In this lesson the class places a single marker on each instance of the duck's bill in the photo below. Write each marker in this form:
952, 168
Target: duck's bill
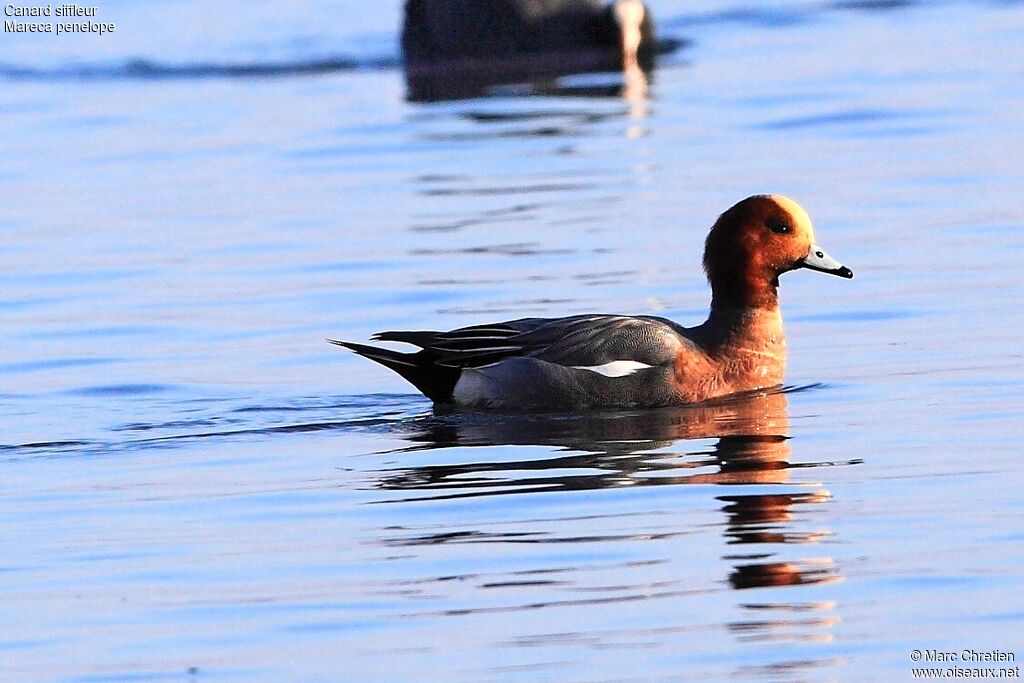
817, 259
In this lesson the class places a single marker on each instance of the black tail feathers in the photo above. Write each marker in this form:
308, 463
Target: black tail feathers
436, 382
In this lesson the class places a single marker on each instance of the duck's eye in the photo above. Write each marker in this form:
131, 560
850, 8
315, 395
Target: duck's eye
778, 225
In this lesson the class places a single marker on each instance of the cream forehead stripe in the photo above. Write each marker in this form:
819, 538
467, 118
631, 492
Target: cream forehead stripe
796, 211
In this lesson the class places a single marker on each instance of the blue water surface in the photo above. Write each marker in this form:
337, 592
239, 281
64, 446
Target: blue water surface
194, 485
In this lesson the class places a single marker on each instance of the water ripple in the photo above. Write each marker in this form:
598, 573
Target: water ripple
146, 69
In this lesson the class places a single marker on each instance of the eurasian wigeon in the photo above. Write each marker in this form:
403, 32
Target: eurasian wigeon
450, 46
617, 361
450, 29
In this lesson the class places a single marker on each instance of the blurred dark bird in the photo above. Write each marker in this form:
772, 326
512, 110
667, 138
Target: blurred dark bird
437, 30
501, 40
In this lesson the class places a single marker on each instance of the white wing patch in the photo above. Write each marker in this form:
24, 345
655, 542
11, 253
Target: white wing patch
616, 368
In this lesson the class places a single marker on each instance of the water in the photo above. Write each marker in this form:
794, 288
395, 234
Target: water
197, 487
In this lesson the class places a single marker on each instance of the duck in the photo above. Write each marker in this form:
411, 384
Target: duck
452, 31
610, 361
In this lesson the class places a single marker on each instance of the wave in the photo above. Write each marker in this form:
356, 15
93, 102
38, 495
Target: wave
146, 69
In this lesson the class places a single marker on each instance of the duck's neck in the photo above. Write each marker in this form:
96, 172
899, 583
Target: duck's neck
744, 291
735, 323
744, 308
732, 321
746, 345
741, 294
735, 331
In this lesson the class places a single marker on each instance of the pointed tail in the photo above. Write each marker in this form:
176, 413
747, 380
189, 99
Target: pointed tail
436, 382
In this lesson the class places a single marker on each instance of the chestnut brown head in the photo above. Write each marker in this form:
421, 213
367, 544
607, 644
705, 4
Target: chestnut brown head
754, 242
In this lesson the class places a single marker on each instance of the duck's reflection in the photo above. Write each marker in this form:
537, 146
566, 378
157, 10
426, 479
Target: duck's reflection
545, 73
525, 78
739, 442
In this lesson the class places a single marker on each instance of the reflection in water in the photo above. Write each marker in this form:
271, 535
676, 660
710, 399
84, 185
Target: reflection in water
634, 90
782, 574
532, 194
624, 447
533, 74
549, 79
742, 441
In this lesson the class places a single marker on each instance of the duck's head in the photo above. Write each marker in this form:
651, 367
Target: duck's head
754, 242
